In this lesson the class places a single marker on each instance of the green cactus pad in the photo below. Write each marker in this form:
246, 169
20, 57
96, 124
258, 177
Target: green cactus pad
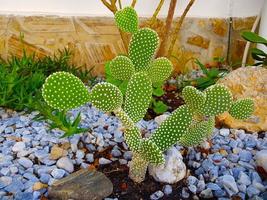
160, 69
242, 109
121, 68
133, 138
218, 100
197, 132
127, 20
106, 97
142, 48
64, 91
173, 128
138, 96
151, 152
194, 98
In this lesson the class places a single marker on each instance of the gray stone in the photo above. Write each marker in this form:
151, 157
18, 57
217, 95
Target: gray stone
104, 161
252, 191
156, 195
229, 184
58, 173
66, 164
185, 193
23, 196
116, 152
191, 180
44, 178
25, 162
127, 155
201, 185
243, 178
245, 155
15, 186
30, 176
81, 185
18, 146
224, 132
192, 188
5, 171
5, 181
167, 189
206, 194
80, 154
90, 157
213, 186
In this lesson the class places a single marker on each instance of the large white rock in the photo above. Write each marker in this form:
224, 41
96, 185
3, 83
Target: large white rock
172, 171
261, 159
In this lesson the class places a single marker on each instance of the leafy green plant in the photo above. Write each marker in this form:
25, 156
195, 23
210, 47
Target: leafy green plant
209, 77
188, 125
59, 119
257, 54
21, 80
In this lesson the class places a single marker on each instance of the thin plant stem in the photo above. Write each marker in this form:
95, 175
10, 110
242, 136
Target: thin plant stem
155, 14
178, 27
133, 3
167, 29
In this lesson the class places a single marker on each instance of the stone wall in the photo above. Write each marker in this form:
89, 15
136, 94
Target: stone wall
94, 40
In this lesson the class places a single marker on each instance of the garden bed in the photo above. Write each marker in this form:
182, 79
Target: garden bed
28, 169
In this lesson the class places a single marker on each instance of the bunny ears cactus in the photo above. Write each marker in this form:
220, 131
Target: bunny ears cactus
188, 124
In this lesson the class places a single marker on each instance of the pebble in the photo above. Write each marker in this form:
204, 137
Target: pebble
90, 157
224, 132
18, 146
23, 196
157, 195
104, 161
25, 162
66, 164
229, 184
5, 181
206, 194
243, 178
58, 173
185, 193
167, 189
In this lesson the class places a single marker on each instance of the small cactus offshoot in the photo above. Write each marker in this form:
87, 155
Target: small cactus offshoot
187, 125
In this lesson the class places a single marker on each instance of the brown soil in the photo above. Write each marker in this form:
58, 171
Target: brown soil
125, 189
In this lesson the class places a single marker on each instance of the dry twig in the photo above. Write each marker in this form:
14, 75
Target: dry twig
178, 27
167, 29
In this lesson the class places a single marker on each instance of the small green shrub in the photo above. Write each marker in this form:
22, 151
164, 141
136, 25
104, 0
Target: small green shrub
188, 125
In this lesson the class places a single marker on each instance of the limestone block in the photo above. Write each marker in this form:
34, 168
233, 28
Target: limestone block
248, 82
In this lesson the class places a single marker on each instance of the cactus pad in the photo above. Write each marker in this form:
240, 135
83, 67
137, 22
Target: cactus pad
106, 97
193, 98
121, 68
151, 152
197, 132
218, 100
160, 69
173, 128
138, 96
242, 109
127, 20
64, 91
133, 138
142, 48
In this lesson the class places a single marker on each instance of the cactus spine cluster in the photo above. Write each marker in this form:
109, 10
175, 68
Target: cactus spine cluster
188, 125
